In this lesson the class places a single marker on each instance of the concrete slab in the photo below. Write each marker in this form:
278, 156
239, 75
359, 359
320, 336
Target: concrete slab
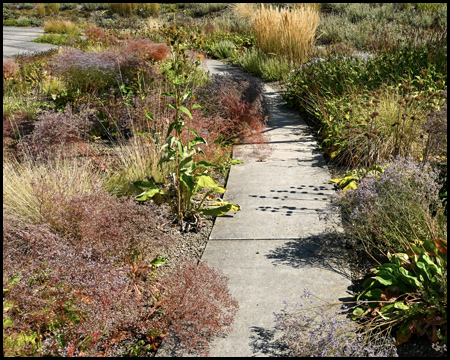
275, 247
16, 41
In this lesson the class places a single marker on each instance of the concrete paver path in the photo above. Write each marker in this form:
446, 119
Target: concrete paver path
270, 249
16, 41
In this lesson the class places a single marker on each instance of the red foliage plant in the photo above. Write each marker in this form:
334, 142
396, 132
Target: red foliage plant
146, 49
99, 35
53, 129
10, 68
197, 306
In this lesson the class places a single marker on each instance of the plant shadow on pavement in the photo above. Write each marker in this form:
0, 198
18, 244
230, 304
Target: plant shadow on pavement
324, 251
263, 342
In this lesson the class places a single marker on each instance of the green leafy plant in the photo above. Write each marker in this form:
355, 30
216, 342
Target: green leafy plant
351, 177
409, 293
187, 176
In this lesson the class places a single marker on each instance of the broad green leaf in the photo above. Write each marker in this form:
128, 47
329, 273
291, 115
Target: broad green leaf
220, 189
196, 141
158, 261
149, 116
188, 180
185, 110
385, 278
409, 279
204, 164
358, 312
351, 185
168, 94
219, 209
401, 305
206, 181
149, 194
186, 163
134, 188
171, 106
197, 106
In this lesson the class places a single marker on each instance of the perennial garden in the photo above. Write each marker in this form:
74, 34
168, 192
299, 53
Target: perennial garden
117, 145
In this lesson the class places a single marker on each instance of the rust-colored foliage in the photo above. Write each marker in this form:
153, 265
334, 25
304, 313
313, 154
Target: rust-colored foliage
197, 306
147, 49
10, 68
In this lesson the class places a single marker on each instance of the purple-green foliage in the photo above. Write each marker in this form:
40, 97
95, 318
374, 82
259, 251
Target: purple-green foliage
101, 225
395, 209
310, 329
86, 71
436, 127
54, 130
55, 286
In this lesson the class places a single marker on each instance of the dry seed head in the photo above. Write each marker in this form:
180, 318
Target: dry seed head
356, 131
349, 126
402, 135
376, 132
401, 101
376, 101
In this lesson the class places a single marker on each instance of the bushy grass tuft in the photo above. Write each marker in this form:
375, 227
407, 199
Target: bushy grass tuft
61, 27
287, 33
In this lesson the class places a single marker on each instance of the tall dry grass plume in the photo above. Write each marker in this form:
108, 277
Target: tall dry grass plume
286, 32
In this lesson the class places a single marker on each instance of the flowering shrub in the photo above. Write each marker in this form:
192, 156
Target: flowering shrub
55, 130
98, 35
310, 329
392, 210
86, 71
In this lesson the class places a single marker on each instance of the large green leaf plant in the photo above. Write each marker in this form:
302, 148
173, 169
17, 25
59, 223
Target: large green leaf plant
408, 294
189, 188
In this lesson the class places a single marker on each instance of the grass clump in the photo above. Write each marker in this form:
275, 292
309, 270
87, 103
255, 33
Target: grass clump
287, 33
61, 27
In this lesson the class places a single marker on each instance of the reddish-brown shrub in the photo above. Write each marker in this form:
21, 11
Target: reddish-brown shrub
99, 35
235, 109
196, 305
10, 68
60, 293
102, 225
146, 49
54, 130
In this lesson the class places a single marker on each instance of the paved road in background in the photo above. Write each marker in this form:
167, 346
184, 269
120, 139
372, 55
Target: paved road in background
17, 41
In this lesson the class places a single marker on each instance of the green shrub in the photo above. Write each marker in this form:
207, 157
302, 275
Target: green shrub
26, 6
409, 293
429, 7
57, 39
124, 9
52, 8
23, 21
269, 67
10, 22
90, 6
67, 6
223, 49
